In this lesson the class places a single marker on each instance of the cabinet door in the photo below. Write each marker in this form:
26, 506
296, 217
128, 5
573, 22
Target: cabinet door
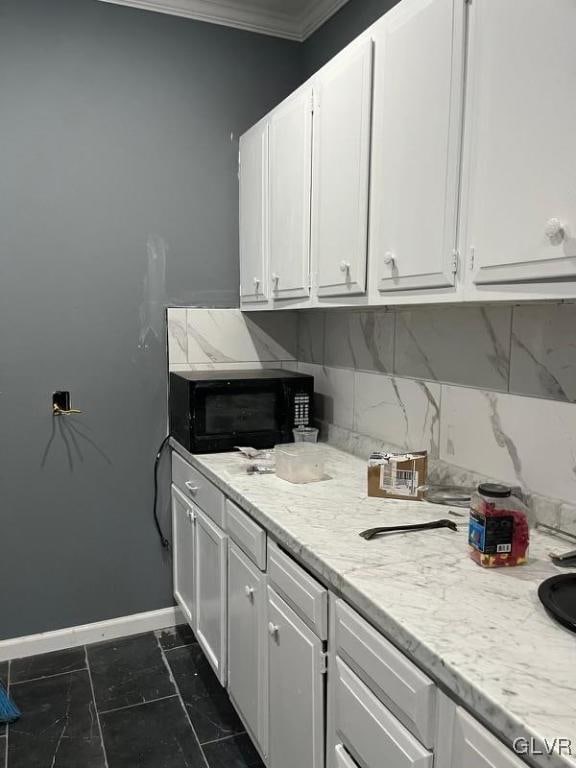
290, 189
522, 196
363, 727
463, 742
183, 535
253, 173
247, 643
295, 689
418, 101
342, 110
211, 567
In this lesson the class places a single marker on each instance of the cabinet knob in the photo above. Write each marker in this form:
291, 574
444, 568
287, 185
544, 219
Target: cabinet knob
389, 258
344, 266
275, 277
256, 281
249, 592
554, 231
191, 487
273, 629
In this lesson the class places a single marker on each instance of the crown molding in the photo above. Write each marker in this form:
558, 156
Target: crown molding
318, 12
247, 16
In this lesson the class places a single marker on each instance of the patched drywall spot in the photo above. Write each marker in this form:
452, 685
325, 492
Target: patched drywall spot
153, 293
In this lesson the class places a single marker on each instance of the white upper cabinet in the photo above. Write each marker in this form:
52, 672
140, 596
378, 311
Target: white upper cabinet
521, 212
416, 143
341, 155
253, 175
290, 188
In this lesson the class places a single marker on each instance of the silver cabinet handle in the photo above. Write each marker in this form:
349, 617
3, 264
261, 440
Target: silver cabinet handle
275, 278
191, 487
249, 592
273, 629
344, 266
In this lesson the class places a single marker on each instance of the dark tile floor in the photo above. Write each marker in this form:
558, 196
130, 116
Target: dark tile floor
147, 701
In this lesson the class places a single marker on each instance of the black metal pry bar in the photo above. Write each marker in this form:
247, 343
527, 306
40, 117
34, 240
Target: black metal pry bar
372, 532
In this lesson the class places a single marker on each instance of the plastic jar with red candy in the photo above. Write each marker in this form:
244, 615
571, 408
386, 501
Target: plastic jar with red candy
498, 533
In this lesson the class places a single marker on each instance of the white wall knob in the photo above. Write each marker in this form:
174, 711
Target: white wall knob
389, 258
273, 629
554, 231
249, 592
344, 266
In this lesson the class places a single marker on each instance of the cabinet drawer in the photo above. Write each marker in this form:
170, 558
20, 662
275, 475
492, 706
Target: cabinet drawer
302, 592
464, 743
403, 688
198, 488
368, 730
247, 534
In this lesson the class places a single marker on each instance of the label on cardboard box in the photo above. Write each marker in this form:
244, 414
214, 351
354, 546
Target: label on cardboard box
397, 475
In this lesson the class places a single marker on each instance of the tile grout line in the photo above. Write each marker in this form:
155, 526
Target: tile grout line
95, 707
48, 677
137, 704
177, 688
227, 738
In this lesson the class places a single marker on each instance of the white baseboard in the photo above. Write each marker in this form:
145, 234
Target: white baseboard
71, 637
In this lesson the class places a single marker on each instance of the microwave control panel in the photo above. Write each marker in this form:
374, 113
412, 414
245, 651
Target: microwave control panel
301, 409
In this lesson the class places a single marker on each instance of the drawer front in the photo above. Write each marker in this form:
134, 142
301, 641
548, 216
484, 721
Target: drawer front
403, 688
307, 597
198, 489
473, 745
368, 731
247, 534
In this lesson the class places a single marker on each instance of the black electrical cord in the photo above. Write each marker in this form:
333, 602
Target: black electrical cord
163, 539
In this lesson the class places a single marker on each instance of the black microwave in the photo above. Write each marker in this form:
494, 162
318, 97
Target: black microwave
213, 411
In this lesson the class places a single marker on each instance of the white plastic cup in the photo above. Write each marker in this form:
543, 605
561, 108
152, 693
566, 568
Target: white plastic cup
305, 435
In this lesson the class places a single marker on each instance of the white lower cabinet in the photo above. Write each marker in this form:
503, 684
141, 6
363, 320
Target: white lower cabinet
183, 541
211, 592
364, 728
296, 664
464, 743
247, 644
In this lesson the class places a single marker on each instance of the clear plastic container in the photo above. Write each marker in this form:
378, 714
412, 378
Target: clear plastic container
299, 462
305, 435
498, 533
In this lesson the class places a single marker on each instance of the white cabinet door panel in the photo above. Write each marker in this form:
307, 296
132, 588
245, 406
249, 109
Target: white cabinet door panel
367, 729
247, 643
522, 159
211, 592
295, 689
416, 146
464, 743
290, 189
183, 555
342, 112
253, 172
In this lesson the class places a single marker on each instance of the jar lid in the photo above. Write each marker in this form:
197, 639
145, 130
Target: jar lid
493, 489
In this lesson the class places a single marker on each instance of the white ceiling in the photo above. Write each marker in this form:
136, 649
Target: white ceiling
293, 19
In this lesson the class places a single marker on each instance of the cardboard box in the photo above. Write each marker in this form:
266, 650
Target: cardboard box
398, 475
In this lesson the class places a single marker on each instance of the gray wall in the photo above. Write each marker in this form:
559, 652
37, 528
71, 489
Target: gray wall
118, 147
339, 30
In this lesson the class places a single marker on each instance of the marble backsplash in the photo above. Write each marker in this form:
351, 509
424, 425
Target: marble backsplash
487, 390
524, 350
201, 339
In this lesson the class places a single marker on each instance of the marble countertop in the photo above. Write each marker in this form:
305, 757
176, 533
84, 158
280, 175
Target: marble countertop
481, 633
